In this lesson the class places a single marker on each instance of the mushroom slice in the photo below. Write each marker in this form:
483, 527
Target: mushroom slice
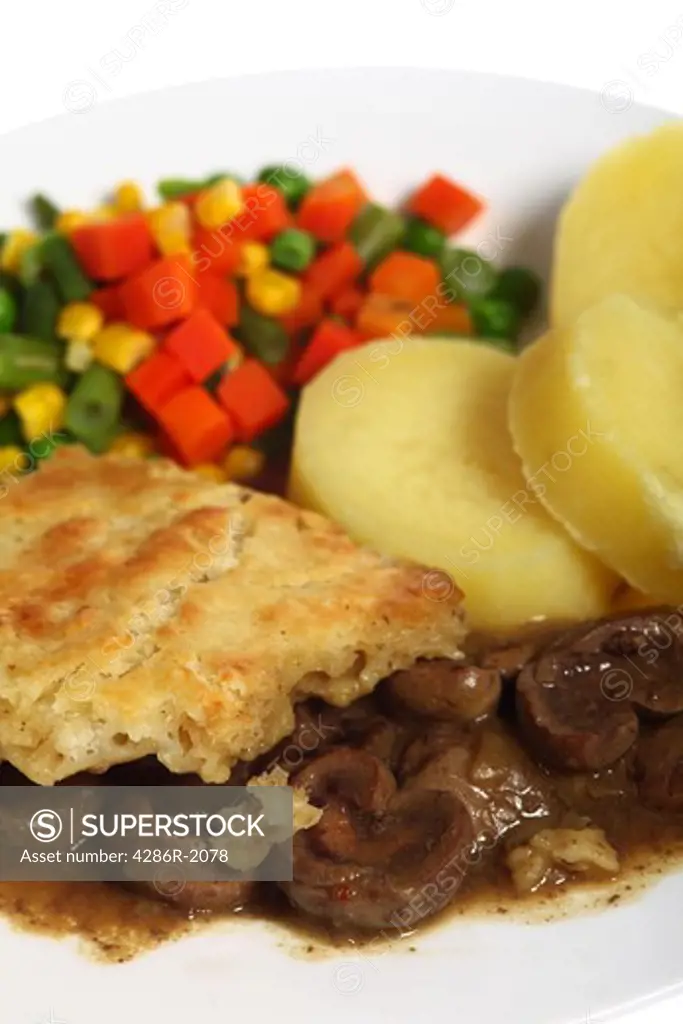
375, 853
566, 716
446, 689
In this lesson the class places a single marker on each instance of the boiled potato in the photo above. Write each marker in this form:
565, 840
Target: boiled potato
597, 419
406, 445
621, 230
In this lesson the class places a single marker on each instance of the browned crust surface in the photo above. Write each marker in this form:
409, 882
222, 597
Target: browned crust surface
144, 610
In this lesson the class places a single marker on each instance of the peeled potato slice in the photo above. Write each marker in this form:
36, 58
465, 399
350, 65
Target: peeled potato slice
606, 393
621, 229
406, 445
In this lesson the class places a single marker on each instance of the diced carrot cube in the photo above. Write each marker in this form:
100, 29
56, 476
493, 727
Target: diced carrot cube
161, 294
328, 209
265, 214
201, 345
445, 205
220, 296
114, 249
334, 269
253, 399
157, 380
329, 339
404, 275
381, 316
198, 428
216, 251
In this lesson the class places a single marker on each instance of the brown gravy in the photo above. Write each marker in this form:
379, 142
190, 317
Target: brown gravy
115, 924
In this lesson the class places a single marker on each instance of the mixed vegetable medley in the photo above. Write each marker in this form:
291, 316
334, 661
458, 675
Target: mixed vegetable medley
188, 327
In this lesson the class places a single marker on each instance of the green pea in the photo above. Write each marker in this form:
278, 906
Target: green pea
292, 183
520, 286
495, 318
467, 275
292, 250
423, 239
8, 310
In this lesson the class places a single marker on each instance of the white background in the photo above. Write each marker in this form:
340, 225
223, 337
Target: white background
66, 55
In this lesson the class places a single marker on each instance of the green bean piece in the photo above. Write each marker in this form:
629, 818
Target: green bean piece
292, 250
375, 232
423, 238
263, 337
10, 430
292, 183
30, 264
495, 318
8, 310
39, 310
93, 410
520, 286
45, 213
60, 260
175, 188
25, 361
466, 274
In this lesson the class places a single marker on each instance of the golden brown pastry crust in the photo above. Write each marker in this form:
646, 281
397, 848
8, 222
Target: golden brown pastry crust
145, 610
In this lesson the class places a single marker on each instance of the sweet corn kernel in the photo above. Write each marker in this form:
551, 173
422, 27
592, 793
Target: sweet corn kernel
79, 321
128, 197
16, 244
79, 355
253, 257
122, 347
171, 227
272, 293
243, 463
40, 409
69, 220
13, 458
133, 446
211, 472
219, 203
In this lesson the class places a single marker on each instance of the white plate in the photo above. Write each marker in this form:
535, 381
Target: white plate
521, 144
